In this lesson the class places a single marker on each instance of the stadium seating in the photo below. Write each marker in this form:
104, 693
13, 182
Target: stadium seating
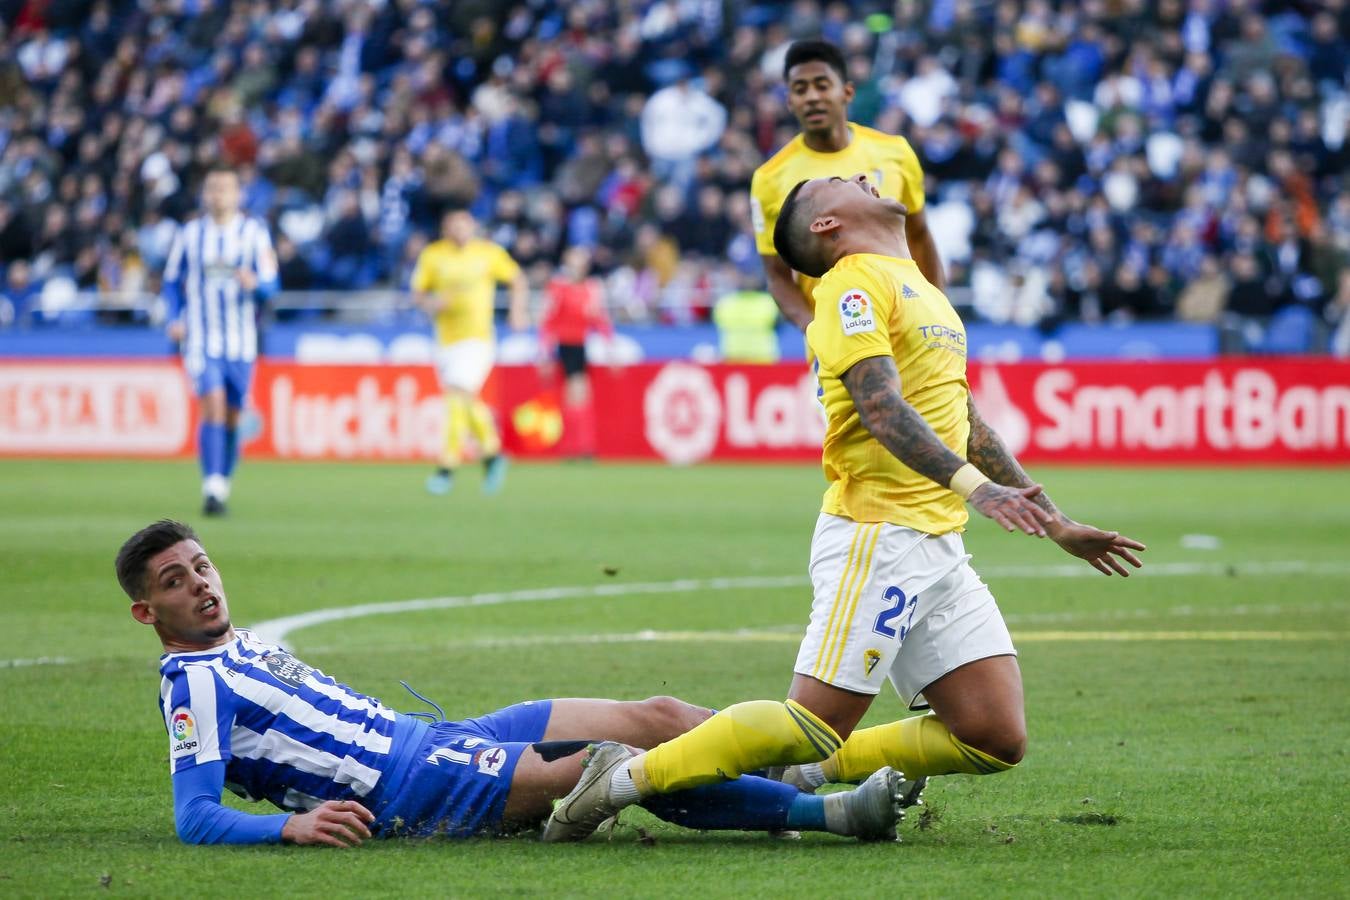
1125, 151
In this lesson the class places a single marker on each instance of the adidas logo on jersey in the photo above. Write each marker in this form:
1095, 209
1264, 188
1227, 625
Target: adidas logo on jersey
908, 292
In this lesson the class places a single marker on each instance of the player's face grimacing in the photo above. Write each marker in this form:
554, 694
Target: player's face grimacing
184, 598
852, 199
817, 96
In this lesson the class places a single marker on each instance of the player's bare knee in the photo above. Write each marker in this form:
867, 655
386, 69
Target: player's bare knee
1006, 742
1009, 748
670, 716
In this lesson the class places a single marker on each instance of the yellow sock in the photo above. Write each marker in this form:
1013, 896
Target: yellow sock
739, 739
920, 745
484, 428
456, 427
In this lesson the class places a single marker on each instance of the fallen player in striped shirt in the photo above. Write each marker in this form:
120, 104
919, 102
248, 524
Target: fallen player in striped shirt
244, 713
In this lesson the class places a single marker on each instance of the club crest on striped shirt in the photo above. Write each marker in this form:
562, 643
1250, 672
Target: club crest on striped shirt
870, 660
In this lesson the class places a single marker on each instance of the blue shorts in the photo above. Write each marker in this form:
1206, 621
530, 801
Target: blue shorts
458, 779
233, 375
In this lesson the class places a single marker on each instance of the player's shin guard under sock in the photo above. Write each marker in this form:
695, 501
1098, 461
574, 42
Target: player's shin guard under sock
211, 448
752, 804
917, 746
739, 739
456, 429
748, 804
484, 428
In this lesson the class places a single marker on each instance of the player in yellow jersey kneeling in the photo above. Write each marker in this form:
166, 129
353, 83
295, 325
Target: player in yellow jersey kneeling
895, 597
454, 283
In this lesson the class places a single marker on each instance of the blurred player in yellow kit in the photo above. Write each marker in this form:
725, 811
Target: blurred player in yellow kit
894, 596
454, 283
819, 93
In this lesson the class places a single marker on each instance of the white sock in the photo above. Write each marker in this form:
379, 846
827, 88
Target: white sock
217, 486
622, 790
836, 813
812, 774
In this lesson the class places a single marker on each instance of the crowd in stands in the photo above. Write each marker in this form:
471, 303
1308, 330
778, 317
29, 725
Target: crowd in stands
1102, 159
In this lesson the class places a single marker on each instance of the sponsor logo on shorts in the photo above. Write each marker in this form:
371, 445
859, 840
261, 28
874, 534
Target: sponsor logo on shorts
870, 660
183, 733
490, 761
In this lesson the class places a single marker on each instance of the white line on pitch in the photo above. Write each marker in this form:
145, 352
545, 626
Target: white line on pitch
278, 630
780, 635
36, 661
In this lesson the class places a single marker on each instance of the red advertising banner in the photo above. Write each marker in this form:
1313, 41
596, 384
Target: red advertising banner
1287, 410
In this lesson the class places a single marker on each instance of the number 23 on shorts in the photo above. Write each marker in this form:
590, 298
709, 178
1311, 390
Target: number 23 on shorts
898, 606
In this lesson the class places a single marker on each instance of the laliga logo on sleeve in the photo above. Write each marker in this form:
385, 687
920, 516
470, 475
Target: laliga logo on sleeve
183, 731
855, 313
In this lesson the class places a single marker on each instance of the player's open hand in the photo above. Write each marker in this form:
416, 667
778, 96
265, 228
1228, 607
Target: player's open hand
1105, 550
176, 331
337, 823
1013, 508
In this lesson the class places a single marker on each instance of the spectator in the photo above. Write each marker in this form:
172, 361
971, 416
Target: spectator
678, 123
1048, 128
1205, 296
349, 244
293, 270
20, 294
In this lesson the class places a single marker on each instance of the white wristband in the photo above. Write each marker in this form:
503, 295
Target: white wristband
967, 479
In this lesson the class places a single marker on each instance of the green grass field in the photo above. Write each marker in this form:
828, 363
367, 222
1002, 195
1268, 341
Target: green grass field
1189, 727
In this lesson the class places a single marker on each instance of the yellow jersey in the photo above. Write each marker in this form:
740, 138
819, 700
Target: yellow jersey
887, 160
870, 305
466, 278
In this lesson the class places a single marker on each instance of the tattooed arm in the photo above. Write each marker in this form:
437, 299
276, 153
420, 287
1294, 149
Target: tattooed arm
874, 385
985, 449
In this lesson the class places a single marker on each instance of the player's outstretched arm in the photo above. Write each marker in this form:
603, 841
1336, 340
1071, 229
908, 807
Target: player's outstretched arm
1104, 550
874, 385
336, 823
785, 291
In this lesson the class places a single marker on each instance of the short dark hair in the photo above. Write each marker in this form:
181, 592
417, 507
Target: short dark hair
136, 552
815, 51
792, 237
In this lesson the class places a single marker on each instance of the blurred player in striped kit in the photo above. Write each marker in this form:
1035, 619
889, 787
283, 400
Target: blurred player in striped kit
220, 267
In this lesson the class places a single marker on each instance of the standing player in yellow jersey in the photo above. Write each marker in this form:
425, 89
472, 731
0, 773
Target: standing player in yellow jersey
819, 93
454, 283
895, 597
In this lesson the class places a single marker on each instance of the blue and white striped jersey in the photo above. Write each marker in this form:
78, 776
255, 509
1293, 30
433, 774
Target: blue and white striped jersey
201, 283
286, 732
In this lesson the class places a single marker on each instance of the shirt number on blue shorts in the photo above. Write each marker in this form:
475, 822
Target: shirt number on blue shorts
899, 606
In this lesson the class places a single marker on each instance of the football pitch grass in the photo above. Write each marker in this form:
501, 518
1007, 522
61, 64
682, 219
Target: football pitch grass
1189, 727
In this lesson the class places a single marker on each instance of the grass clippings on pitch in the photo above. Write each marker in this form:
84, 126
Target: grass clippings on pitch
1189, 730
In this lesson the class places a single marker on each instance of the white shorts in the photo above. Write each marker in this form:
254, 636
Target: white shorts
466, 364
895, 603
